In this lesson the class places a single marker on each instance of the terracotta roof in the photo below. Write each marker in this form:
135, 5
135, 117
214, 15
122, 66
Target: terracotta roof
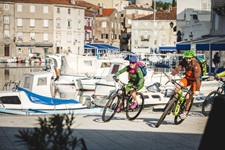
86, 4
106, 12
160, 16
45, 1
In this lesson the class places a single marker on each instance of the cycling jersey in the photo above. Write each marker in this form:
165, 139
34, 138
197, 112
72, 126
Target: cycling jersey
192, 71
136, 79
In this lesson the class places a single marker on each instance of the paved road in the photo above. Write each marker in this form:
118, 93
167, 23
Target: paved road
119, 133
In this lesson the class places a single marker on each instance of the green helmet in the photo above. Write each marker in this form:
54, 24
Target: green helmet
189, 54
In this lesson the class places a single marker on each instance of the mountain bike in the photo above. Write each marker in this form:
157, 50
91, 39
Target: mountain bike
208, 102
176, 104
127, 100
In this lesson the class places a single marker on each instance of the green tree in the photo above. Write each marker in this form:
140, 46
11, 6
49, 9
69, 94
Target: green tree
55, 133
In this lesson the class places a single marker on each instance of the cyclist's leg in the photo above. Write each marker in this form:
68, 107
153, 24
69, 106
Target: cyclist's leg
121, 102
134, 95
183, 82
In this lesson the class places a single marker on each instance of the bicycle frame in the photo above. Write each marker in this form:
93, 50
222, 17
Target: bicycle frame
221, 89
181, 99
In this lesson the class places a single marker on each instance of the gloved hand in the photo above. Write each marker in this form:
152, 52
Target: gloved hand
196, 93
135, 87
115, 78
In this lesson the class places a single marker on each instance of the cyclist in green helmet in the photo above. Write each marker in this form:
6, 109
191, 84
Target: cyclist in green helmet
192, 77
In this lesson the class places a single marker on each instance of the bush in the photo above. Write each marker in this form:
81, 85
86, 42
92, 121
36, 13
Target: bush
54, 134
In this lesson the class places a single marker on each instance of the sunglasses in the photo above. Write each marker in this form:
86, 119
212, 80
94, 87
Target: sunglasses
132, 62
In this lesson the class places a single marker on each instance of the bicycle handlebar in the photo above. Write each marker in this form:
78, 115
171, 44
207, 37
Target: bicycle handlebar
176, 83
123, 84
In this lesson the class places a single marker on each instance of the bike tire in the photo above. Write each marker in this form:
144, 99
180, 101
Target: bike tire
110, 108
177, 119
132, 114
169, 106
208, 102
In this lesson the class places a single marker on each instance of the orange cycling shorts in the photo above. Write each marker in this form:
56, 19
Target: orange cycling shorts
187, 82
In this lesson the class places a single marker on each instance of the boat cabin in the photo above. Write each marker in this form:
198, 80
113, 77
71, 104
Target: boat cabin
37, 82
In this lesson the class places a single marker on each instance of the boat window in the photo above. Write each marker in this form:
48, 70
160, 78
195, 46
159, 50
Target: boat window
88, 63
115, 69
42, 81
10, 100
105, 64
27, 83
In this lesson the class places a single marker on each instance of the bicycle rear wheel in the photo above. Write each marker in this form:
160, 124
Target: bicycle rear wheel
208, 102
169, 106
177, 119
110, 107
132, 114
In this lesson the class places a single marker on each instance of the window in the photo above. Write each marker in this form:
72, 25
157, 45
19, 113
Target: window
19, 8
69, 37
45, 23
115, 69
6, 34
19, 22
30, 51
20, 50
58, 22
58, 10
104, 36
129, 21
104, 24
32, 22
6, 6
58, 36
32, 8
69, 23
79, 25
68, 11
19, 36
10, 100
42, 81
45, 9
6, 19
32, 36
45, 36
27, 83
86, 22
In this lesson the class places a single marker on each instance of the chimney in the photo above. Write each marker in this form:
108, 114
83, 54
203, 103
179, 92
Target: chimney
72, 2
100, 11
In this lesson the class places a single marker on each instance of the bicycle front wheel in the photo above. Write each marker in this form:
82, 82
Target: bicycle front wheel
208, 102
110, 107
177, 118
132, 114
169, 106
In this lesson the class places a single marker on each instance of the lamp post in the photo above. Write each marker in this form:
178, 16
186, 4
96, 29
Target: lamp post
171, 28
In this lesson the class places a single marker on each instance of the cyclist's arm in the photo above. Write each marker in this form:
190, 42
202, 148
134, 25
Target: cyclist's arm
197, 74
221, 74
121, 71
179, 67
141, 77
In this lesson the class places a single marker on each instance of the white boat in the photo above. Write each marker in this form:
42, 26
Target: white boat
103, 70
75, 67
35, 95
